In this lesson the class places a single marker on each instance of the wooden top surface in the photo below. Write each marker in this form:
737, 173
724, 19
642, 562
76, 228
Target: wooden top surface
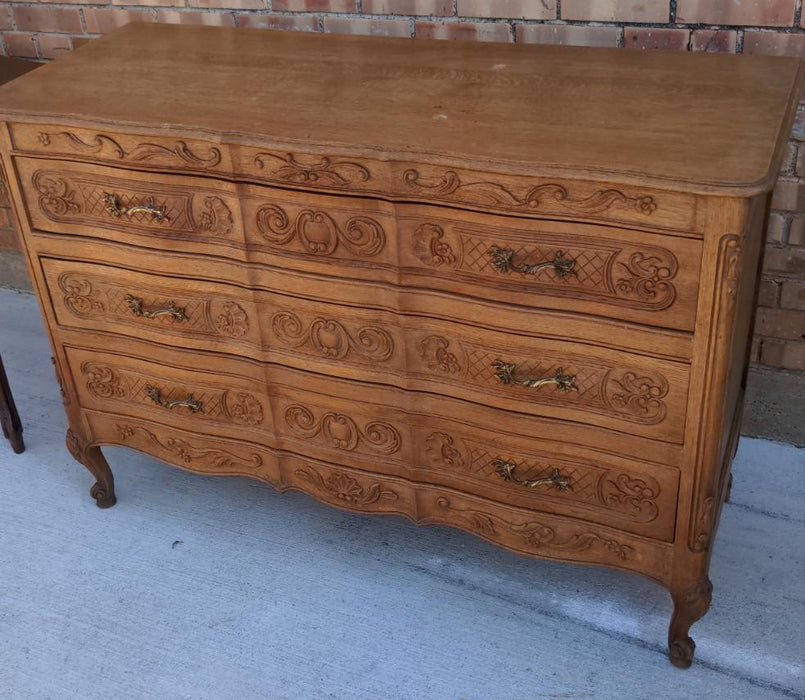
11, 68
701, 122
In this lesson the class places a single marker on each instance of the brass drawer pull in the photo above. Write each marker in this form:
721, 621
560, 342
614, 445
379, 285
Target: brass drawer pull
504, 372
155, 395
175, 312
503, 261
158, 213
506, 470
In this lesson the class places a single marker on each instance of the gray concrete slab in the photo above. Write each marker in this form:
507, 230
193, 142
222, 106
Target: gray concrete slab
203, 587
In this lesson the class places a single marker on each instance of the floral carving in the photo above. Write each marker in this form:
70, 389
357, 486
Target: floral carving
431, 248
245, 409
331, 339
433, 349
232, 320
318, 233
647, 278
216, 217
103, 381
550, 197
325, 171
639, 396
55, 196
347, 489
193, 457
439, 447
342, 432
143, 151
79, 296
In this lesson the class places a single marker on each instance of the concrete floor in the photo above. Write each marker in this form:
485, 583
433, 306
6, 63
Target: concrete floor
200, 587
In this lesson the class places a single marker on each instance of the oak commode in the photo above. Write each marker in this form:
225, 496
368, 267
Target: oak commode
504, 288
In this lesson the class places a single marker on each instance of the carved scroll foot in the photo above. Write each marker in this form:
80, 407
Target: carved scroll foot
690, 604
103, 491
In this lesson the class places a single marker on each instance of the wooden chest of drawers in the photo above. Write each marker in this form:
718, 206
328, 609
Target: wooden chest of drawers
508, 289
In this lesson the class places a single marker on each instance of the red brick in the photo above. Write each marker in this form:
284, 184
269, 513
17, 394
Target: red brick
508, 9
51, 46
774, 44
714, 40
789, 161
467, 31
651, 38
566, 34
315, 6
781, 353
776, 229
616, 10
768, 293
9, 239
793, 296
789, 195
796, 235
20, 45
228, 4
790, 261
153, 3
754, 352
407, 7
301, 23
373, 27
784, 324
800, 162
5, 18
216, 19
5, 218
47, 19
756, 13
103, 21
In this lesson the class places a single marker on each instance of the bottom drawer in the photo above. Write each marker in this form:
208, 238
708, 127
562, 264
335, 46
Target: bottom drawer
516, 529
422, 438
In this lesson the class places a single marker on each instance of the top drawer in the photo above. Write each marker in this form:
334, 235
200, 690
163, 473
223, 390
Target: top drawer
617, 273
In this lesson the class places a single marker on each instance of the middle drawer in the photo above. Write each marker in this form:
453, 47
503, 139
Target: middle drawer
575, 381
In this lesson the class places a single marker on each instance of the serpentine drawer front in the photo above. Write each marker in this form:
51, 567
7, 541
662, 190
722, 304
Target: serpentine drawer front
526, 316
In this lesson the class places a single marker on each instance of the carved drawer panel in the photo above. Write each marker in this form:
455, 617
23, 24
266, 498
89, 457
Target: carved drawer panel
199, 399
165, 210
616, 273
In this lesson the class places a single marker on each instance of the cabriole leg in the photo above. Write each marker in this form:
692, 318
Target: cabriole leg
690, 604
103, 491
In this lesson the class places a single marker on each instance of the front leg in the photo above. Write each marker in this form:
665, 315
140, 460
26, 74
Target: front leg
690, 604
103, 491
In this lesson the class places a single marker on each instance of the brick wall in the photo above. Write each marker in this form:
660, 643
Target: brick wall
43, 30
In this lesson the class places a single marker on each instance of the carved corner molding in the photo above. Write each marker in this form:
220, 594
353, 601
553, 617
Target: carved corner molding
727, 283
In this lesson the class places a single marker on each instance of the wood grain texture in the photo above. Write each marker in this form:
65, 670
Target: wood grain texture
528, 320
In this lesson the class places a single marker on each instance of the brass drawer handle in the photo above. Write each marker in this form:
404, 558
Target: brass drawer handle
155, 395
158, 213
504, 372
503, 261
506, 470
175, 312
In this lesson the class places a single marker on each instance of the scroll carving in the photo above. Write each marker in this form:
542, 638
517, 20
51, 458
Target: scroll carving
342, 432
441, 450
79, 296
143, 151
637, 396
331, 339
189, 455
216, 218
541, 198
318, 233
347, 489
103, 381
536, 534
55, 196
431, 248
647, 278
433, 350
232, 320
326, 171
